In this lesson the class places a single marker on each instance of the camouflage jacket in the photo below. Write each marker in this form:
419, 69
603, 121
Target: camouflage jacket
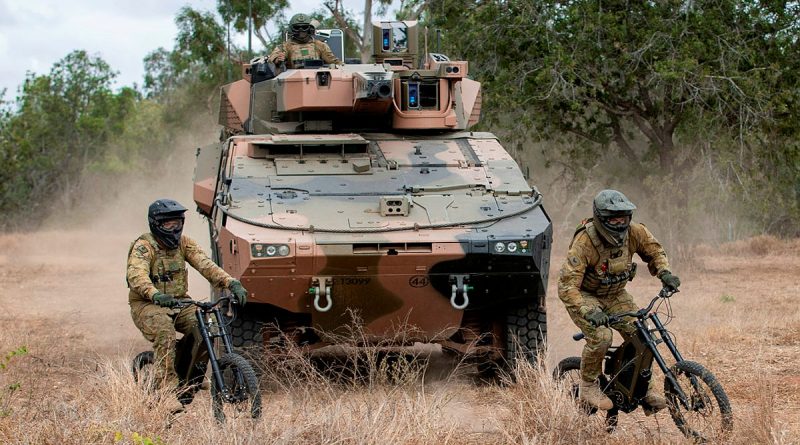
588, 266
296, 52
152, 268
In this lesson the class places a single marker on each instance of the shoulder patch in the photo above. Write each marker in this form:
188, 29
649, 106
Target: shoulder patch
574, 261
141, 249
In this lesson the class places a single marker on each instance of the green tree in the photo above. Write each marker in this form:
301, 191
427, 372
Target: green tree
648, 83
262, 13
61, 124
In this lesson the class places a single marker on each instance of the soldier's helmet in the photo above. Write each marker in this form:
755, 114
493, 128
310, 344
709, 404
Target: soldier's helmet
610, 204
161, 211
301, 28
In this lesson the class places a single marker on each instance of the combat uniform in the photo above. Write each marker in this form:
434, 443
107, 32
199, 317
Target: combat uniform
594, 275
153, 269
296, 52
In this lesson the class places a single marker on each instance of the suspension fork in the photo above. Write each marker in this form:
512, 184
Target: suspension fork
208, 340
665, 337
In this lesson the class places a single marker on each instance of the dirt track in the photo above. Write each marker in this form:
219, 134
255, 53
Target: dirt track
736, 313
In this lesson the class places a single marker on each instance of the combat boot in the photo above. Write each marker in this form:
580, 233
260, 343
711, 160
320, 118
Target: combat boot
655, 401
590, 393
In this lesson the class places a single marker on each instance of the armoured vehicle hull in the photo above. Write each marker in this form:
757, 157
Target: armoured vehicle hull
338, 203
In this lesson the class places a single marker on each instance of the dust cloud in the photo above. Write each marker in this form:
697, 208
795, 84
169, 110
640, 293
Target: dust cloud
70, 274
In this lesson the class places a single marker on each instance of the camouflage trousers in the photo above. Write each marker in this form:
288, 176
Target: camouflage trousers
159, 325
598, 339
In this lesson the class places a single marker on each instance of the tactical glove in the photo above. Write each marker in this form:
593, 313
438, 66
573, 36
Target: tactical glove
596, 317
238, 291
165, 300
670, 281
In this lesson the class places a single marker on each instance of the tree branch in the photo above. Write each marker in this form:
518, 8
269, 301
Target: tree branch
337, 15
621, 142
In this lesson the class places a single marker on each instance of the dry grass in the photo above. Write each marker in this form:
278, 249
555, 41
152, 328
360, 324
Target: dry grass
736, 315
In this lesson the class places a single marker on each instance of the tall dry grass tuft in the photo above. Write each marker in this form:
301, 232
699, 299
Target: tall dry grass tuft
544, 412
761, 245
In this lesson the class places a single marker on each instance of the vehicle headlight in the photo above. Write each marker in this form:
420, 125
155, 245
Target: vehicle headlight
499, 247
270, 250
512, 247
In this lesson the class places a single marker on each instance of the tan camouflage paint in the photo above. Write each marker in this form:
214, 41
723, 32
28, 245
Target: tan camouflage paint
583, 255
392, 279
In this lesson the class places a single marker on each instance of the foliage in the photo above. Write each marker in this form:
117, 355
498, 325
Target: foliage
11, 388
62, 123
264, 13
650, 91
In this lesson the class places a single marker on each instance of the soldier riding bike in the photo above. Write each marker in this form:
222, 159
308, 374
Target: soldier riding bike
158, 282
592, 283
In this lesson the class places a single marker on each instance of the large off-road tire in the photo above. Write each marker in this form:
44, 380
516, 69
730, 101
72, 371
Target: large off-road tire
525, 335
709, 417
241, 384
526, 332
246, 331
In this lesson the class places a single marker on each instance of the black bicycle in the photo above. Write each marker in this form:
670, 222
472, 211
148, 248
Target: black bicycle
697, 403
233, 379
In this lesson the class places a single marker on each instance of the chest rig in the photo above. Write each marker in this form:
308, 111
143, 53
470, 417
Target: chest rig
299, 52
167, 269
613, 269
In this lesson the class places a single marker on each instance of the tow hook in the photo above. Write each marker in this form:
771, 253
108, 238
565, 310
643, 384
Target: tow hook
459, 285
321, 288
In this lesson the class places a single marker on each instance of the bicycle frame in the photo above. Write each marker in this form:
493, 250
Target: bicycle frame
629, 365
191, 368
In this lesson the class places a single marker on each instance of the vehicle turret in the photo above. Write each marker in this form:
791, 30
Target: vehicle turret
391, 94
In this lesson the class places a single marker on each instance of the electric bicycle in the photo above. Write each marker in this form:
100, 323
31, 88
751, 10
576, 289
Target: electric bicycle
696, 401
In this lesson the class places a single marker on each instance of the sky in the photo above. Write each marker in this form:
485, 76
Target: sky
34, 34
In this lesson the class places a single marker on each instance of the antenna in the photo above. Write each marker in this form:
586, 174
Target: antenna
438, 40
425, 57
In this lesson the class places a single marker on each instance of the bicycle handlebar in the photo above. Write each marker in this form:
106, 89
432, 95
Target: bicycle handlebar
205, 305
665, 292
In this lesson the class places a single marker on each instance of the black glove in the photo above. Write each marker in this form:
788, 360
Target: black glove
596, 317
670, 281
165, 300
238, 291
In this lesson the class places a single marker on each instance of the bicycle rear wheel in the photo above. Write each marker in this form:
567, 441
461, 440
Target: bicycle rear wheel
142, 369
705, 415
240, 388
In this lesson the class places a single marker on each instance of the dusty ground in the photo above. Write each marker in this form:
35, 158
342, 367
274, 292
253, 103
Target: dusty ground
64, 298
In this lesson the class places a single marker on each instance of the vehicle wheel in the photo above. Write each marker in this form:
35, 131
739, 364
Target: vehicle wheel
526, 332
706, 414
569, 372
142, 369
240, 388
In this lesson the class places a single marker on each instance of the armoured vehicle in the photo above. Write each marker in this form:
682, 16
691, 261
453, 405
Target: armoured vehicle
356, 194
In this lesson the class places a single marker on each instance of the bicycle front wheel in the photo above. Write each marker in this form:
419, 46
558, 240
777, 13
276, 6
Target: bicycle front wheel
240, 388
702, 412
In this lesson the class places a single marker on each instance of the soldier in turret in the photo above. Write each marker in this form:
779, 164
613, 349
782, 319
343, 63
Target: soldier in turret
302, 45
158, 280
592, 282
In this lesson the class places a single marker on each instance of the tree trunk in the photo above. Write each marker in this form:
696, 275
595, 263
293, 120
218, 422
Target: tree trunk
366, 33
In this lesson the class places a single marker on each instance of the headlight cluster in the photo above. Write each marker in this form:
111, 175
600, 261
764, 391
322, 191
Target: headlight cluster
511, 247
269, 250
